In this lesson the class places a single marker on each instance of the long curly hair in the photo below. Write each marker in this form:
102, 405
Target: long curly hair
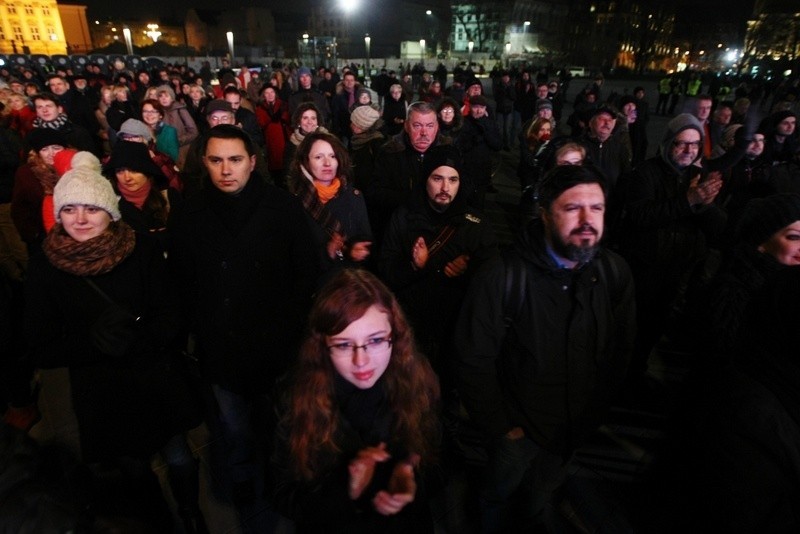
412, 388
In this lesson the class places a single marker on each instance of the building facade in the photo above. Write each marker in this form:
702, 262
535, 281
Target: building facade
31, 27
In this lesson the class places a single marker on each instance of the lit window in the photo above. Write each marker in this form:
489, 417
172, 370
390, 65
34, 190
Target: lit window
28, 9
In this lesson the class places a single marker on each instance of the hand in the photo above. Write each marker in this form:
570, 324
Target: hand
360, 251
401, 490
706, 192
419, 253
457, 267
515, 433
362, 467
335, 245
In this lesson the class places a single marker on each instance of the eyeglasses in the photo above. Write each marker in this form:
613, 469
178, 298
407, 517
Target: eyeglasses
373, 347
683, 145
448, 111
224, 119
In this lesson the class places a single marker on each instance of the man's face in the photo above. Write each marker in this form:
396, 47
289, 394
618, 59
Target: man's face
703, 110
436, 87
349, 82
17, 87
723, 115
545, 113
144, 78
639, 94
506, 79
228, 164
421, 129
164, 75
756, 146
220, 117
80, 84
541, 91
47, 110
574, 222
786, 126
58, 86
685, 148
305, 81
474, 90
442, 187
477, 111
602, 126
234, 99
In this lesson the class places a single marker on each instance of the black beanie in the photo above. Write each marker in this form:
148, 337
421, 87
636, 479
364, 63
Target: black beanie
440, 155
765, 216
42, 137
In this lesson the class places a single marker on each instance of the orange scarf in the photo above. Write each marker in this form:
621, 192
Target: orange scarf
327, 192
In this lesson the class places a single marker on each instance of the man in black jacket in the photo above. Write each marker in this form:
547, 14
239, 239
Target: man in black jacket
244, 252
542, 343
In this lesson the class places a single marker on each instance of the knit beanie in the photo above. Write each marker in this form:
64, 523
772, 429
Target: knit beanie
62, 161
166, 89
765, 216
42, 137
135, 157
84, 185
438, 156
679, 123
544, 103
364, 117
303, 71
136, 128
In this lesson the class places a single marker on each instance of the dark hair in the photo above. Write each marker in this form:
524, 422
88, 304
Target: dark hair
302, 108
228, 131
231, 90
344, 170
155, 104
45, 95
563, 177
412, 390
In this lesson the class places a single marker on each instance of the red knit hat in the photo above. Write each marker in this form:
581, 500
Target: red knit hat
62, 161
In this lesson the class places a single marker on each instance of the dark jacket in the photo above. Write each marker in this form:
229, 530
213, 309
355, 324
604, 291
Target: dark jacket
553, 370
124, 406
478, 139
311, 95
248, 266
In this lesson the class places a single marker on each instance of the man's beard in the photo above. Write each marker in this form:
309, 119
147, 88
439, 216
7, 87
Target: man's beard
582, 253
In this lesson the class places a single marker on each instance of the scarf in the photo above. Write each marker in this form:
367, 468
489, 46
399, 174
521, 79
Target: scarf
55, 124
306, 190
327, 192
298, 135
137, 198
359, 140
93, 257
45, 174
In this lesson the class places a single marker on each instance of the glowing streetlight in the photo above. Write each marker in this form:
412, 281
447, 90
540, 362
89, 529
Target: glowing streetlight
429, 12
153, 32
422, 49
367, 40
128, 43
470, 46
348, 6
508, 54
229, 35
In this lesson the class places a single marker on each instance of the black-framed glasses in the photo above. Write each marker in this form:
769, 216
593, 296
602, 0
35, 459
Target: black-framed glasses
373, 347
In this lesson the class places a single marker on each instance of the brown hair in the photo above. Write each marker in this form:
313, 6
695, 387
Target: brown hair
412, 389
532, 133
344, 170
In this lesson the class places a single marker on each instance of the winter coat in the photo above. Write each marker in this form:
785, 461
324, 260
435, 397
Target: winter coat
179, 118
248, 267
275, 124
554, 369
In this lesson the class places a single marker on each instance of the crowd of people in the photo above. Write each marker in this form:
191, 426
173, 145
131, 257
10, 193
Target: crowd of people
302, 263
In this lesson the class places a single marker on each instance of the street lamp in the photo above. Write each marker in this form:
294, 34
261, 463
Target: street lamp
153, 32
367, 40
422, 48
525, 33
470, 46
128, 43
508, 54
229, 35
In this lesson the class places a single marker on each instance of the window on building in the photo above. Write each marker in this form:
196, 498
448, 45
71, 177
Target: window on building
28, 9
45, 11
35, 33
12, 9
18, 33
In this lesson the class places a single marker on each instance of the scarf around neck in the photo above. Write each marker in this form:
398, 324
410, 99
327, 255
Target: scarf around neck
55, 124
138, 197
306, 190
98, 255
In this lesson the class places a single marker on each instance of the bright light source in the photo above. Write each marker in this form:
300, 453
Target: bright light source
731, 56
526, 23
349, 6
429, 12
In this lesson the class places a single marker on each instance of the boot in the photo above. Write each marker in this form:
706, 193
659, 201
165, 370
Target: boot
185, 484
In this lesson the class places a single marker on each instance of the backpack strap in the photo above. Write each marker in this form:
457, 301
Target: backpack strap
514, 293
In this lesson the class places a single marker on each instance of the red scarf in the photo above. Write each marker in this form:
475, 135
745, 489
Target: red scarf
137, 198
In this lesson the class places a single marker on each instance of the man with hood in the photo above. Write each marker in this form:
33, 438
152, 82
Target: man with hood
542, 342
671, 218
433, 246
781, 143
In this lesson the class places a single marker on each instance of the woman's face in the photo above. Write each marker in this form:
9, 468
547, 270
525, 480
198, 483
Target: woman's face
83, 222
121, 95
308, 120
132, 181
196, 93
571, 157
396, 93
544, 131
269, 95
16, 102
107, 95
784, 245
447, 114
165, 99
364, 99
49, 152
322, 163
150, 115
361, 352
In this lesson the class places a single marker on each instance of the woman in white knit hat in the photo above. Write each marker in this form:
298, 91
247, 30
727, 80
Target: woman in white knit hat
103, 324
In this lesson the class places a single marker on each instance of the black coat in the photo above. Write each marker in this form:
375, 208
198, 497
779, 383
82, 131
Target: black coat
554, 369
125, 406
248, 265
